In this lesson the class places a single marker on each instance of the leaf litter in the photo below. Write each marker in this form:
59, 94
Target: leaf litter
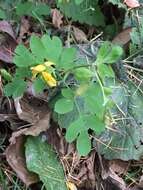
85, 172
81, 172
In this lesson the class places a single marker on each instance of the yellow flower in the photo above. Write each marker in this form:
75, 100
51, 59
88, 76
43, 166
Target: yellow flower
49, 79
37, 69
41, 69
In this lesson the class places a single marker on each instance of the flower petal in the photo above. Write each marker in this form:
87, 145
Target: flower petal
49, 79
38, 68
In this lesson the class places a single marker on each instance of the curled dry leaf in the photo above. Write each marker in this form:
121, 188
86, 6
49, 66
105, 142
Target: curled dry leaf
16, 159
30, 109
132, 3
79, 35
39, 117
114, 181
123, 37
118, 166
57, 18
41, 126
6, 28
33, 111
7, 42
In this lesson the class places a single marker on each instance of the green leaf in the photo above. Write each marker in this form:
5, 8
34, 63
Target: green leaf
68, 93
53, 47
24, 8
16, 88
78, 1
95, 123
94, 100
39, 85
67, 59
126, 141
23, 72
74, 129
83, 143
114, 55
37, 48
42, 9
6, 75
64, 105
2, 14
109, 53
30, 9
105, 71
41, 159
135, 36
9, 89
83, 74
85, 12
65, 120
23, 57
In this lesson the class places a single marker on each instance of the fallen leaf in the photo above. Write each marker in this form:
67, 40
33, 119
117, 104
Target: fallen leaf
119, 166
123, 37
41, 126
30, 109
24, 28
80, 172
7, 52
16, 159
7, 42
42, 159
79, 35
57, 18
6, 27
132, 3
113, 180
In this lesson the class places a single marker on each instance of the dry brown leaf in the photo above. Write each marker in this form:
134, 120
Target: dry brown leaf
79, 35
24, 28
118, 166
123, 37
79, 172
33, 111
57, 18
30, 109
41, 126
132, 3
15, 158
113, 180
6, 27
7, 42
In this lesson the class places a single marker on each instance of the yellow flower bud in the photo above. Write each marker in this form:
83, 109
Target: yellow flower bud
49, 79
